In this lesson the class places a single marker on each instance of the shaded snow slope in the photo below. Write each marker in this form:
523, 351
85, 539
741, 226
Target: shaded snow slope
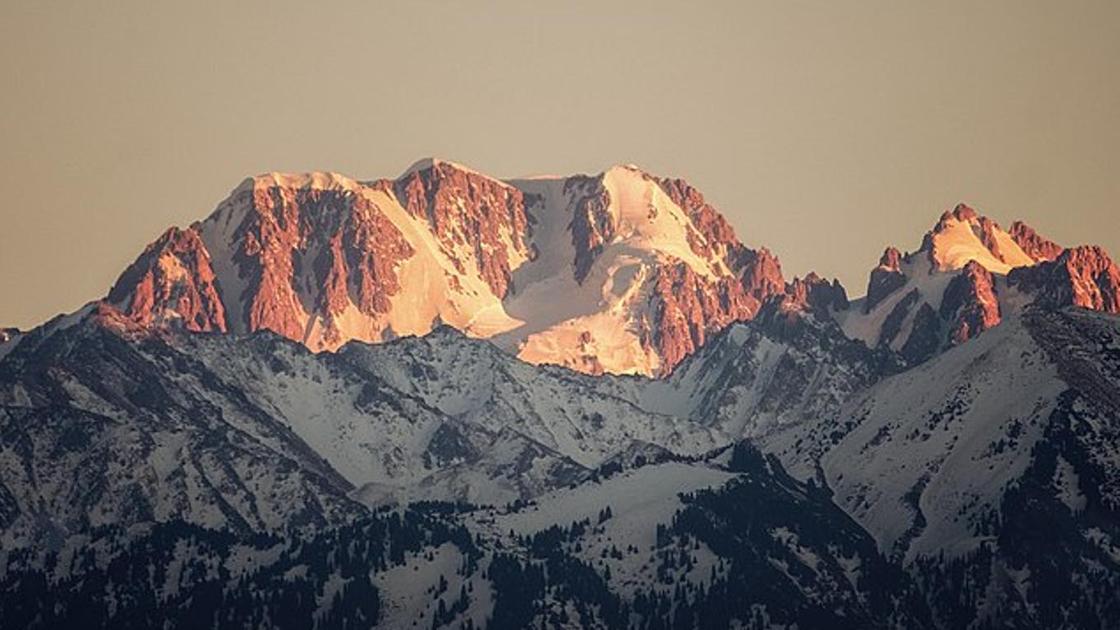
937, 446
256, 432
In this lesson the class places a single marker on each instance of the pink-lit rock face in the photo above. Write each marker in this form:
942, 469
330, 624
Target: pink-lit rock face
592, 225
1035, 245
349, 247
970, 304
688, 308
466, 209
885, 279
713, 236
171, 283
617, 272
1081, 276
305, 252
962, 235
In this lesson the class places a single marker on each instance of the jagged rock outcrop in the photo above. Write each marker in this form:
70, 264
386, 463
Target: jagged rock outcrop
1081, 276
173, 283
689, 308
990, 235
712, 234
892, 325
969, 303
686, 310
592, 225
309, 251
814, 294
759, 271
885, 279
1035, 245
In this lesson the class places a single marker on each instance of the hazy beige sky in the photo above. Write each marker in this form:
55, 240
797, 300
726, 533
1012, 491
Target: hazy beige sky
824, 132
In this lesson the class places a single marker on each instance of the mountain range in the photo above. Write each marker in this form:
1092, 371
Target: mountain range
455, 401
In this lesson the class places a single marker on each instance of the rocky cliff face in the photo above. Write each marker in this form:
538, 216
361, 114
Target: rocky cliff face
1081, 276
617, 272
307, 252
172, 282
468, 211
962, 234
885, 279
816, 294
592, 224
1035, 245
969, 303
688, 308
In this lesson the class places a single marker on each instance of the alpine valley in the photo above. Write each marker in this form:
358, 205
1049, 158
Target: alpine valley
447, 400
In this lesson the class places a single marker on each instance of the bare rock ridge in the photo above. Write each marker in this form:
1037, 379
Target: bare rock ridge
619, 272
885, 278
813, 294
464, 208
1082, 276
592, 225
172, 281
1035, 246
688, 307
970, 303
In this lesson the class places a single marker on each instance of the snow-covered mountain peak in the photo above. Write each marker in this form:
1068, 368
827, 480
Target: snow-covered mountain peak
440, 164
621, 272
963, 235
647, 219
316, 180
